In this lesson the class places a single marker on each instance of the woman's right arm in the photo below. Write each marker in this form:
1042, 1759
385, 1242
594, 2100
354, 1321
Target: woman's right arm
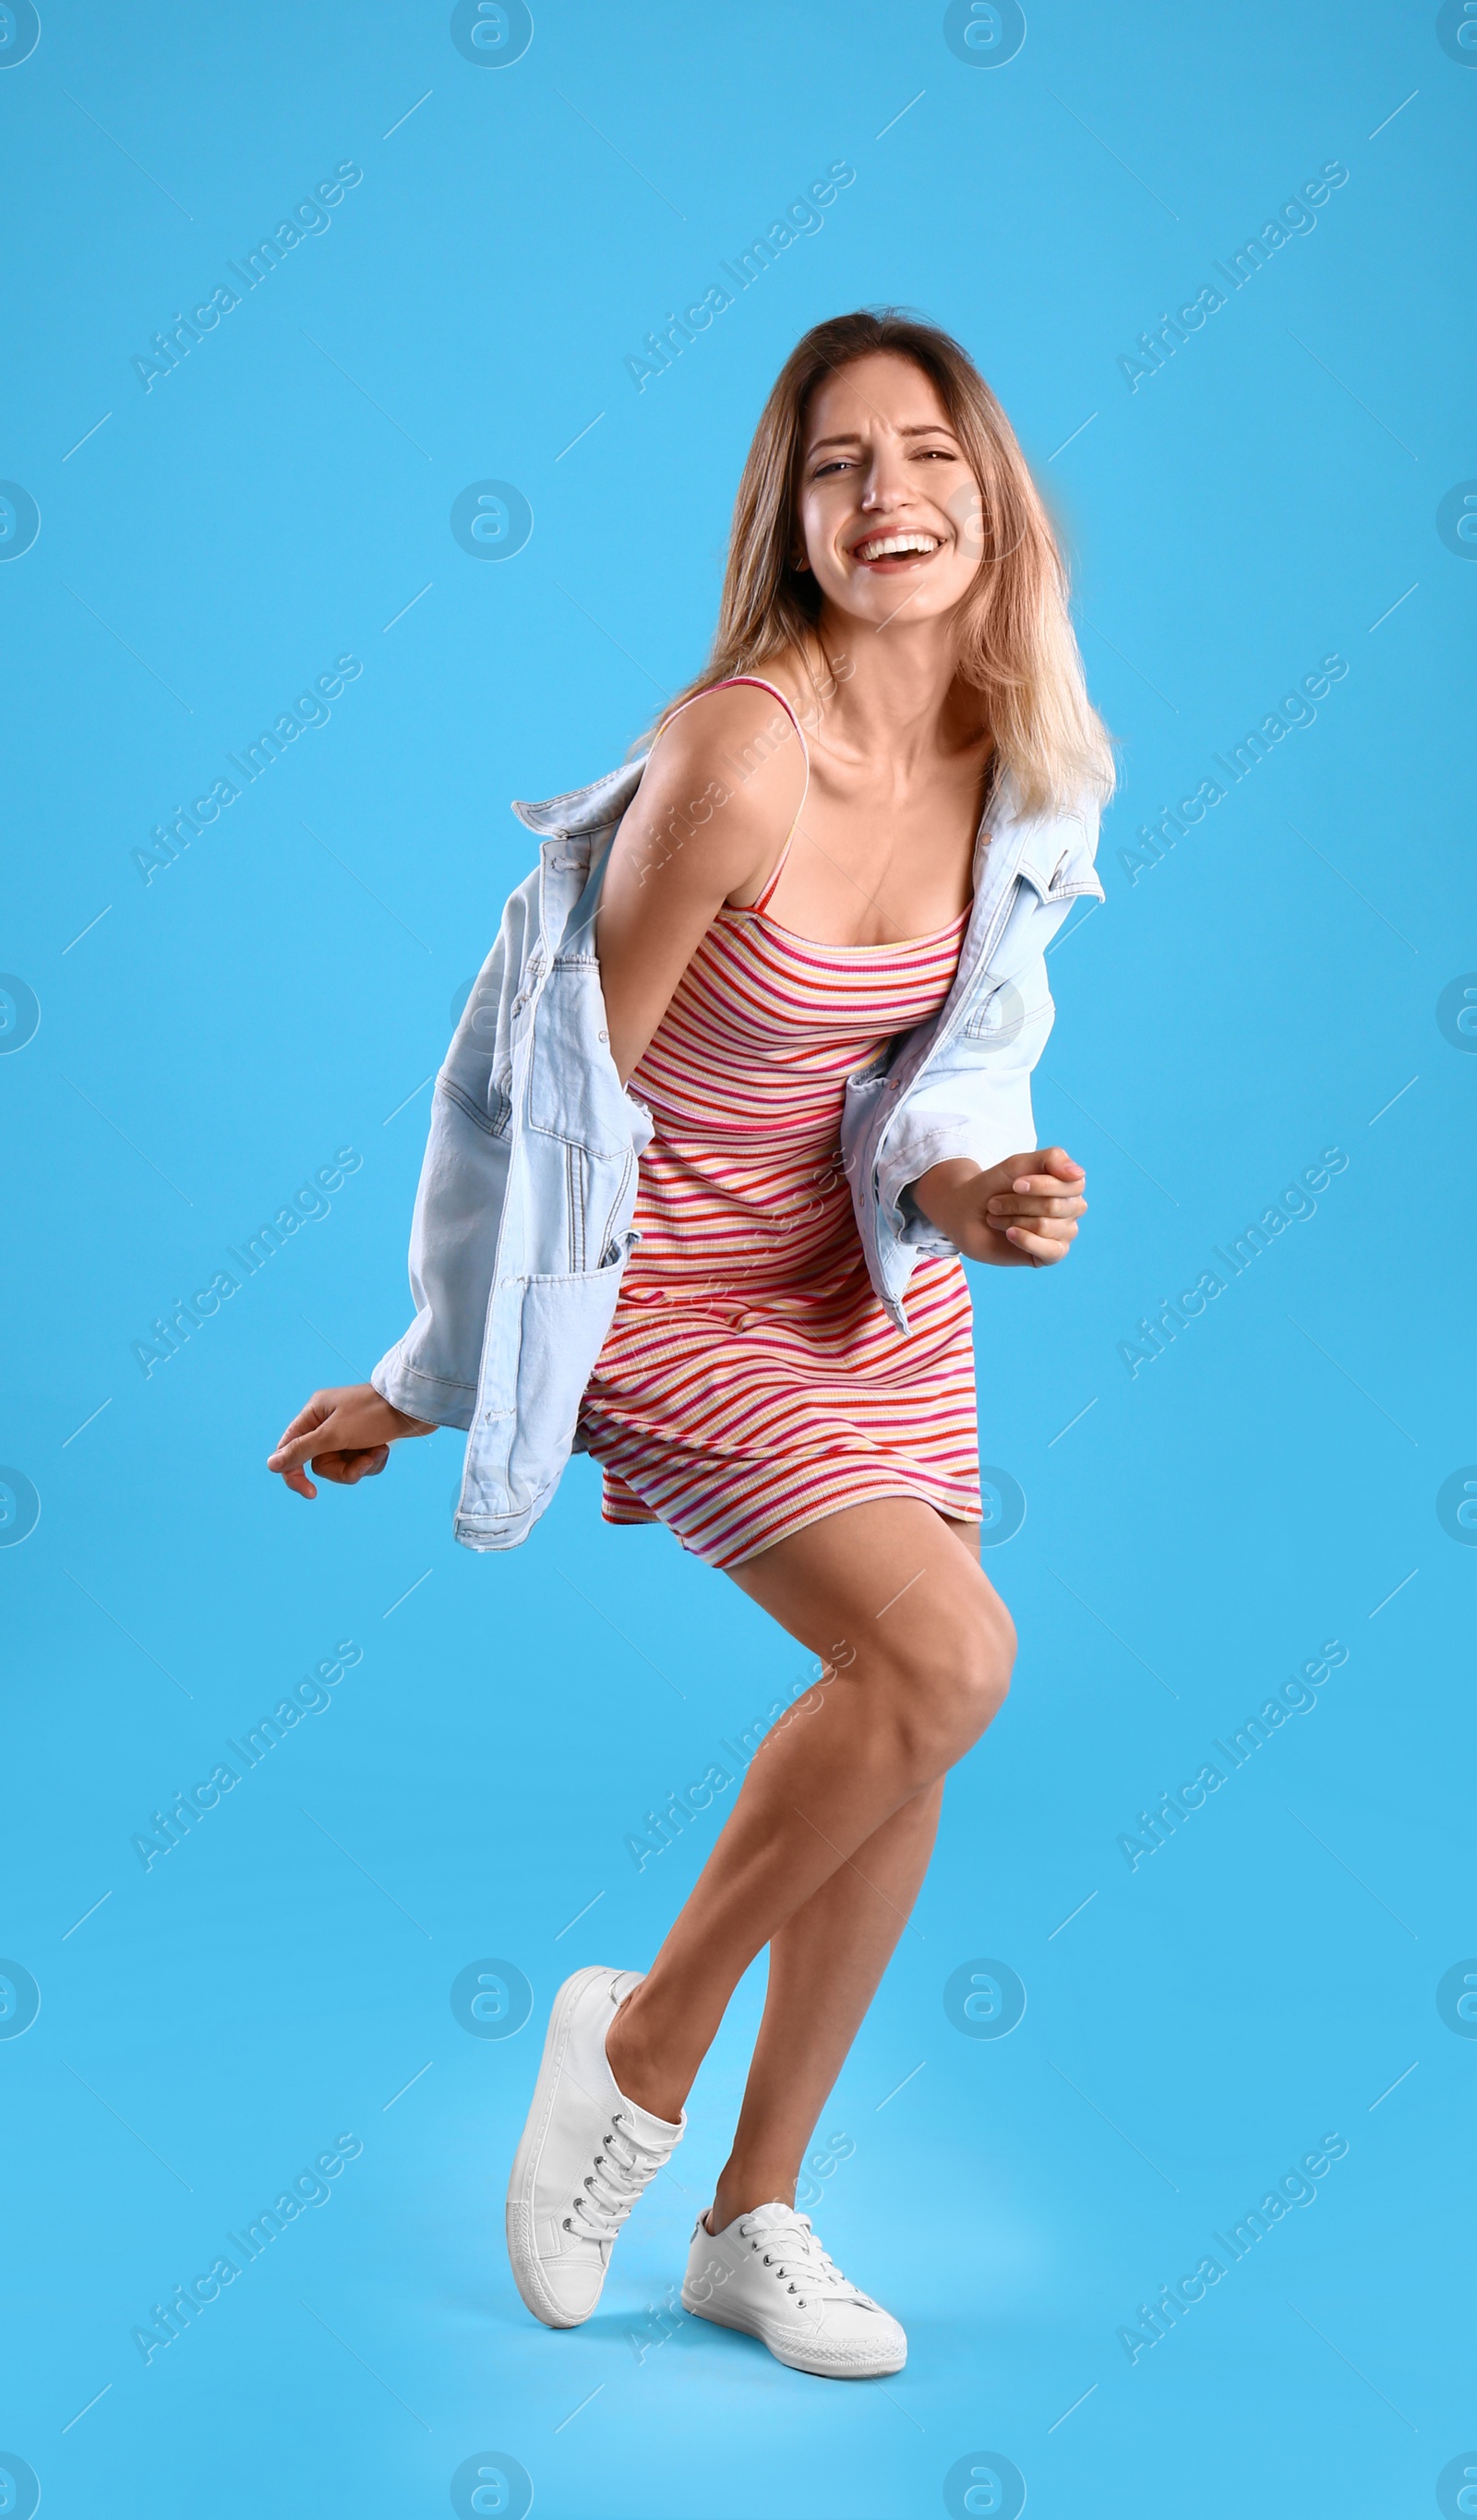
710, 819
716, 801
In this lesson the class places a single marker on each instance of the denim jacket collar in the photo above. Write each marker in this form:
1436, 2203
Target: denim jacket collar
1008, 842
584, 809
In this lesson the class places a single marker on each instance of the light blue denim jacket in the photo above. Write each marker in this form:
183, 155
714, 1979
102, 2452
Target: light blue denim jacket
523, 1216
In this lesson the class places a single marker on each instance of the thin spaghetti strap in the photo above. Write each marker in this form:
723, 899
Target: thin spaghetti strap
761, 900
776, 693
759, 682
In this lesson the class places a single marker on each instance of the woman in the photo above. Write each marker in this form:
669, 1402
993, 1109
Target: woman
788, 928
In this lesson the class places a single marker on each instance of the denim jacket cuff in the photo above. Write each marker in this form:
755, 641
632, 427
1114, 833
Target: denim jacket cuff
423, 1395
981, 1138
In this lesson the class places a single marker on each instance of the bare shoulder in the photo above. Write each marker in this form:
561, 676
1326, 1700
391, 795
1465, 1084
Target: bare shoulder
730, 768
743, 730
718, 796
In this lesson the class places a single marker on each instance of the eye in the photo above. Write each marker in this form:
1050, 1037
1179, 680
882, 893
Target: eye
835, 464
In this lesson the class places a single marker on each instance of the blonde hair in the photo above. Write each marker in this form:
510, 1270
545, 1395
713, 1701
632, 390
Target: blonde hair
1016, 646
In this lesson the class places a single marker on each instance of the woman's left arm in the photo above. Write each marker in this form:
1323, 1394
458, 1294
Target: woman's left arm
1023, 1210
962, 1156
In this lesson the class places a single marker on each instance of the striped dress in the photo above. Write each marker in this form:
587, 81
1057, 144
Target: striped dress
750, 1383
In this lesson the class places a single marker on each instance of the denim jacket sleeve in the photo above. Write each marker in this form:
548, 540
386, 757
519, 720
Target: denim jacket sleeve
975, 1099
432, 1372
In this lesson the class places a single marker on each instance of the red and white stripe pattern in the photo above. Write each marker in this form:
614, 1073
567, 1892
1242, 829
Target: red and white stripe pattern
751, 1383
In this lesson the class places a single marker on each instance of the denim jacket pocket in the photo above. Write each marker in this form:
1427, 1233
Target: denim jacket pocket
563, 1327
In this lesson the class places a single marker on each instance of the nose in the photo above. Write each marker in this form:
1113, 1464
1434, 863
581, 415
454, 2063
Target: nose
886, 485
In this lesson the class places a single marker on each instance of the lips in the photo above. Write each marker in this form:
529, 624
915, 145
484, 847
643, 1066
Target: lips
894, 550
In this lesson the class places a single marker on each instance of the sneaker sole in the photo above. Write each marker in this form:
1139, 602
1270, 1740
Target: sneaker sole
873, 2368
522, 2254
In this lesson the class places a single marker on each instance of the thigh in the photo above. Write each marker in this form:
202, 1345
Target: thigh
869, 1575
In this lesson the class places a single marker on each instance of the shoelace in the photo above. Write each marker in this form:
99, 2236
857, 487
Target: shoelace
624, 2166
795, 2251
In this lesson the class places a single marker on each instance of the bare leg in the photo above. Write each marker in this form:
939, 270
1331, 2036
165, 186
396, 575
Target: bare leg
823, 1969
919, 1645
825, 1966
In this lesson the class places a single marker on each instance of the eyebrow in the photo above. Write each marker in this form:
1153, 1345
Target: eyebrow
914, 428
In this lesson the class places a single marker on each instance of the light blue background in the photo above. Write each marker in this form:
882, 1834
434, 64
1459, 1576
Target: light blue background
207, 1040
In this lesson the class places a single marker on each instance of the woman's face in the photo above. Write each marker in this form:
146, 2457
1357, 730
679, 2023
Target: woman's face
887, 509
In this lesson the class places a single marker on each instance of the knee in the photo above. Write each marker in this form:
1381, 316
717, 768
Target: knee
951, 1686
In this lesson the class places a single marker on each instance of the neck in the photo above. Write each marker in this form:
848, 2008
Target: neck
902, 697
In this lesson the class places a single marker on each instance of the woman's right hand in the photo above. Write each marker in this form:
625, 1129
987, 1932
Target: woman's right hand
346, 1434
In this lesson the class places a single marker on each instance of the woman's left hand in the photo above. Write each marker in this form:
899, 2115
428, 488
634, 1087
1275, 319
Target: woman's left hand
1023, 1211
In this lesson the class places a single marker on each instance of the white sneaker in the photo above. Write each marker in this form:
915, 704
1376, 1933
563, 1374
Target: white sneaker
769, 2276
586, 2154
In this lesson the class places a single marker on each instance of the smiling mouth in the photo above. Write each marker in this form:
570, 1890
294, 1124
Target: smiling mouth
888, 551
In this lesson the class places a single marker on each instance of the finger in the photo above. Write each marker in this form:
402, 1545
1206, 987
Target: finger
347, 1468
1053, 1160
303, 1427
300, 1483
1063, 1235
1038, 1202
1051, 1185
293, 1452
338, 1466
319, 1407
1060, 1229
1037, 1247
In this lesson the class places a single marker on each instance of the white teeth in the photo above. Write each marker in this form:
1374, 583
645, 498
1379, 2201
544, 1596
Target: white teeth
888, 546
